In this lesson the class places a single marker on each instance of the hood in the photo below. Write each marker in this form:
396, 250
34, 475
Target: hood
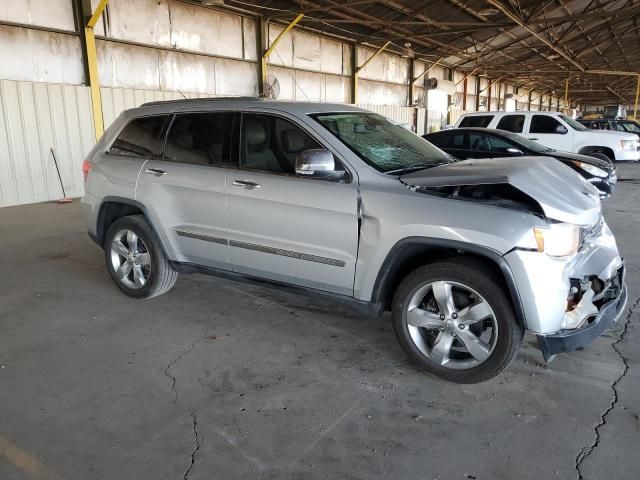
569, 156
611, 133
561, 193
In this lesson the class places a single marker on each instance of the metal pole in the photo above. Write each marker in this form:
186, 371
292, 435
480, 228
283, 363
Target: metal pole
635, 106
412, 66
260, 36
354, 75
566, 96
464, 95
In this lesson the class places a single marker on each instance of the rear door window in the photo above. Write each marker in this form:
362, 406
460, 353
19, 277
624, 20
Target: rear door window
142, 137
200, 138
511, 123
481, 121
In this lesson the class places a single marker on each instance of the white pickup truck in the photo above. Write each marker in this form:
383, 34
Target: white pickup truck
560, 132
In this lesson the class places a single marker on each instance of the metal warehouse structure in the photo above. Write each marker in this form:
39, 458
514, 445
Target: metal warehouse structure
70, 66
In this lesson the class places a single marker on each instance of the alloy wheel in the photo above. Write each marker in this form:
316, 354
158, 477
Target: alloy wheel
130, 259
451, 324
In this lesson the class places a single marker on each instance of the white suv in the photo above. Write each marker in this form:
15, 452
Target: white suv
560, 132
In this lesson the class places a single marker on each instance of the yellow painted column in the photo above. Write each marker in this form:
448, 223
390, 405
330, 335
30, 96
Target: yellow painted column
361, 67
94, 82
266, 54
92, 63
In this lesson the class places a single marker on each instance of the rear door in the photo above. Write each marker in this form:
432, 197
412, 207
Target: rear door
139, 141
185, 190
285, 227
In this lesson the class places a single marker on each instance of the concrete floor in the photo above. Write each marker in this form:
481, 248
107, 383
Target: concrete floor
221, 380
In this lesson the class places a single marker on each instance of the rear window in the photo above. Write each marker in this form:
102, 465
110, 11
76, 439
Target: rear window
481, 121
140, 138
511, 123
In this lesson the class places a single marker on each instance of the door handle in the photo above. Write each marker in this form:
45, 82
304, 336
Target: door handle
246, 184
155, 171
534, 139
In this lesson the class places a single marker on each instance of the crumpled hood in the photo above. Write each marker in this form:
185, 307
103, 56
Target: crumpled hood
562, 193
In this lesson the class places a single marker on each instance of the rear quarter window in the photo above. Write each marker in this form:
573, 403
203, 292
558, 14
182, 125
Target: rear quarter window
140, 138
481, 121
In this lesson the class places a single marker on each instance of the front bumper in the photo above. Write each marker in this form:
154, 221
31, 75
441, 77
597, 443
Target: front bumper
608, 314
627, 155
544, 282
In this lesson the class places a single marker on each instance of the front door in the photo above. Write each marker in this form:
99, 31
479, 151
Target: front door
185, 191
548, 131
302, 231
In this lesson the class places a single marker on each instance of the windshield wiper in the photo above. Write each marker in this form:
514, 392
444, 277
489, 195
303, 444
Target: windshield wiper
416, 167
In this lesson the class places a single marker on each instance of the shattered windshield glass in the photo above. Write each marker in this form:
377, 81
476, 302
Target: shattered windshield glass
382, 144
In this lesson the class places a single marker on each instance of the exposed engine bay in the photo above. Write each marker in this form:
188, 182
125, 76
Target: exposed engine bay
497, 195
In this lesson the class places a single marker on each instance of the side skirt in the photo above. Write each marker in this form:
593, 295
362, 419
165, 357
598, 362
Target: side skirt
369, 310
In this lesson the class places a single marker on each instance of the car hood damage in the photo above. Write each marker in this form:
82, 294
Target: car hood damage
539, 185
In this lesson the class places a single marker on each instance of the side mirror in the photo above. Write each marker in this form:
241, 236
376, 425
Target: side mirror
561, 129
315, 162
515, 151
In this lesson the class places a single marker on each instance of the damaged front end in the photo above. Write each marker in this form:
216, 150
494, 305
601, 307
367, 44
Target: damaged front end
599, 305
570, 279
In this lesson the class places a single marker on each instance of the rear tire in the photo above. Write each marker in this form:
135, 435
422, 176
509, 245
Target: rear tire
459, 306
135, 258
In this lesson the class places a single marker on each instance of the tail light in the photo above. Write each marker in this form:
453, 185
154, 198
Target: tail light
86, 166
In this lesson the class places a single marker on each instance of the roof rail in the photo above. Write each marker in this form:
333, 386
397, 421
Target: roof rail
205, 99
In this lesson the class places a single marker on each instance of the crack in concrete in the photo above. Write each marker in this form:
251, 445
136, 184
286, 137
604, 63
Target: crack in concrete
586, 451
197, 447
176, 360
194, 418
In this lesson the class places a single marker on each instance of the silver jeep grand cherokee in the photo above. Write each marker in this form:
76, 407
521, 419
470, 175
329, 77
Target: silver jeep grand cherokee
344, 204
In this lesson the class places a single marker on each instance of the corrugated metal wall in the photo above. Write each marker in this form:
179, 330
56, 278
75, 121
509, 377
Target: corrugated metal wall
35, 117
400, 115
115, 100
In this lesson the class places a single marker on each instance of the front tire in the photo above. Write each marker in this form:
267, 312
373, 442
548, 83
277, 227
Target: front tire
135, 258
601, 156
454, 320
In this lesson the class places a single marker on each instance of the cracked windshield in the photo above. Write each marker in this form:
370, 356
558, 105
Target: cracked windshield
382, 144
